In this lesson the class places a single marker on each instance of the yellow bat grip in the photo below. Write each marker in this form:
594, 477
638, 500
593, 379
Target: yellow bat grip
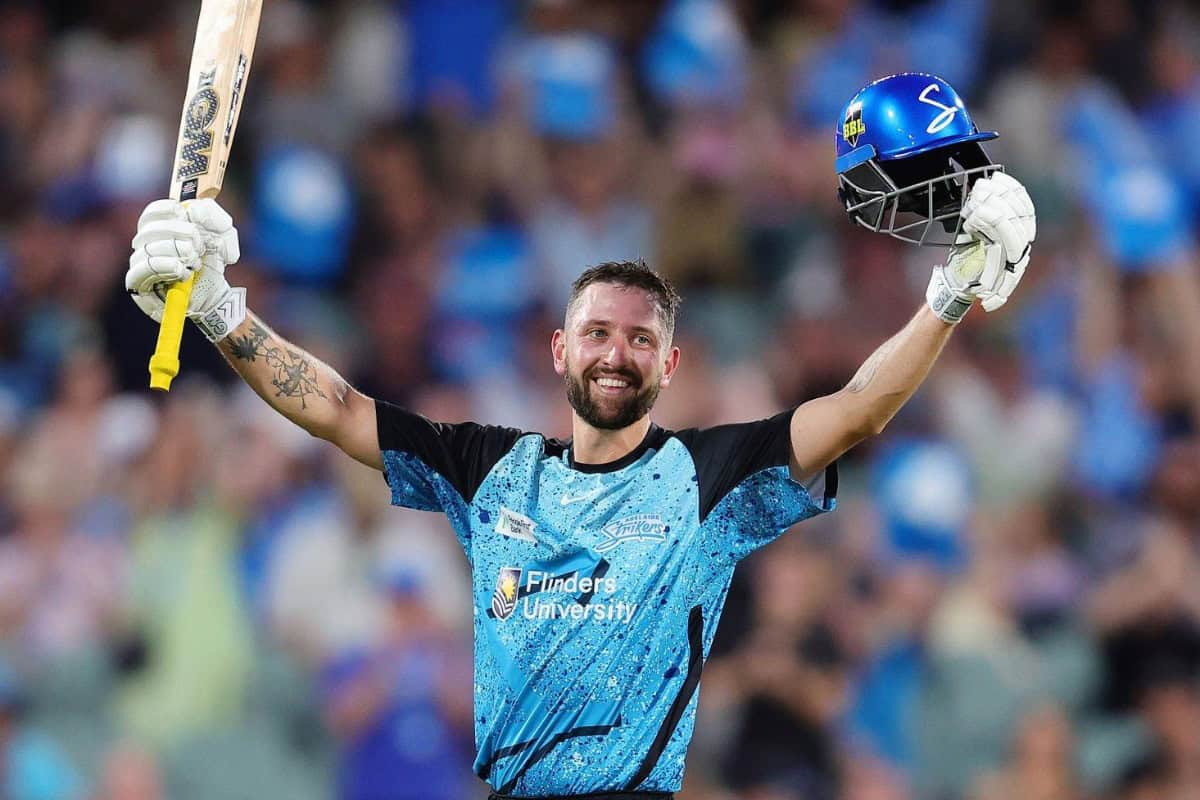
164, 364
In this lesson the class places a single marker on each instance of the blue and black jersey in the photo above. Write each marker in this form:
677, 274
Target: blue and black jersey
597, 588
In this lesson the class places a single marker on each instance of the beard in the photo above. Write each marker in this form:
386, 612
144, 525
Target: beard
609, 413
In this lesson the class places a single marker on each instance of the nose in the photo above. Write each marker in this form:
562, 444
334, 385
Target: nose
617, 354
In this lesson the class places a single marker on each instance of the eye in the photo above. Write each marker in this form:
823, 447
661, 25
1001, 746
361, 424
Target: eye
596, 333
642, 340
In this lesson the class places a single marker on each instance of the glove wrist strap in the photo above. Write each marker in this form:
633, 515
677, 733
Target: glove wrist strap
219, 321
947, 305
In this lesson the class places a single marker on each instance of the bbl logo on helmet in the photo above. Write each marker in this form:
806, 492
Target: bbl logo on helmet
504, 599
853, 126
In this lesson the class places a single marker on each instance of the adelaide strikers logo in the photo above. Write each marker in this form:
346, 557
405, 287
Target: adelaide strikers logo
852, 126
504, 599
638, 528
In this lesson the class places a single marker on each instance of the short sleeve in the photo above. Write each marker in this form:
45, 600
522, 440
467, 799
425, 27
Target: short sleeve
747, 494
432, 466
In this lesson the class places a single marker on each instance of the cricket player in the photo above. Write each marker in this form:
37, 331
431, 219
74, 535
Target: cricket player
600, 564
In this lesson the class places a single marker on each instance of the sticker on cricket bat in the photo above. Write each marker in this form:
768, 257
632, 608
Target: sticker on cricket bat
235, 96
197, 136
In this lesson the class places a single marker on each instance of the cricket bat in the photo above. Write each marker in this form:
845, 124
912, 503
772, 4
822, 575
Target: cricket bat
221, 57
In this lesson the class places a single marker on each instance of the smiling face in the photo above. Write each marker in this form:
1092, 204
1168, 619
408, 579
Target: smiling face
614, 355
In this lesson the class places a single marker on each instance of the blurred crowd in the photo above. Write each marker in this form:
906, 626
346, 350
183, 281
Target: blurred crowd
200, 602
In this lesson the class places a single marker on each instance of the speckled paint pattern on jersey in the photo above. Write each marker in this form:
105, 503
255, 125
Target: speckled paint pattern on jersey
596, 597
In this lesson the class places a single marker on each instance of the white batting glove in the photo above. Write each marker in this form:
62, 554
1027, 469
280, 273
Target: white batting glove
955, 285
998, 210
175, 239
991, 254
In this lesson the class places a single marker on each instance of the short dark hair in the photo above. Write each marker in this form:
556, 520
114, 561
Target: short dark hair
635, 274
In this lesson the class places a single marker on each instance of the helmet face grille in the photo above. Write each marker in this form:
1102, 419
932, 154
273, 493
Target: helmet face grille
915, 199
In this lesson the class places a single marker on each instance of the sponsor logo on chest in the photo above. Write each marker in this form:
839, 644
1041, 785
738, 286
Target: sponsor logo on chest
534, 594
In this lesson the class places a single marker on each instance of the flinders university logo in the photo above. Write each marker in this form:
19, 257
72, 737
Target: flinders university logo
504, 599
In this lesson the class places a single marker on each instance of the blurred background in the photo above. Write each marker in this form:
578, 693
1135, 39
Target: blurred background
198, 601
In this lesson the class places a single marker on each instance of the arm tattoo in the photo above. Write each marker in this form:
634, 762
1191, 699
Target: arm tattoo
246, 348
866, 373
294, 375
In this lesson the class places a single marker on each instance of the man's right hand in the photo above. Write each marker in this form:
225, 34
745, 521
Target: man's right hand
176, 239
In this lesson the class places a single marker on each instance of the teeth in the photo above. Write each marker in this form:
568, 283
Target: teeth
612, 383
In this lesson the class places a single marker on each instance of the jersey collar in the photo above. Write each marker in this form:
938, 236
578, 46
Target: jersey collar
652, 436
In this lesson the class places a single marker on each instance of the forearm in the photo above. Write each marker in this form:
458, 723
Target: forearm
824, 428
890, 376
294, 383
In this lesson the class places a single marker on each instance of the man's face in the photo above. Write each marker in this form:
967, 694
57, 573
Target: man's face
613, 355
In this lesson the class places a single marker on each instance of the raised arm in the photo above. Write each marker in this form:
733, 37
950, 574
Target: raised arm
988, 265
824, 428
173, 240
304, 389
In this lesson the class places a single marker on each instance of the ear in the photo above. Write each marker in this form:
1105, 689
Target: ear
558, 350
669, 366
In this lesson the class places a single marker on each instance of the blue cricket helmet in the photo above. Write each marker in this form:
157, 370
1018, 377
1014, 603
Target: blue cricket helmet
907, 152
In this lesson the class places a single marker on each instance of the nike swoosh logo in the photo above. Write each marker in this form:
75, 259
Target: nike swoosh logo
567, 499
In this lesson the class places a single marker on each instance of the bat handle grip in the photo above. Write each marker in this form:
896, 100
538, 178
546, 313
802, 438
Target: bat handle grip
164, 364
